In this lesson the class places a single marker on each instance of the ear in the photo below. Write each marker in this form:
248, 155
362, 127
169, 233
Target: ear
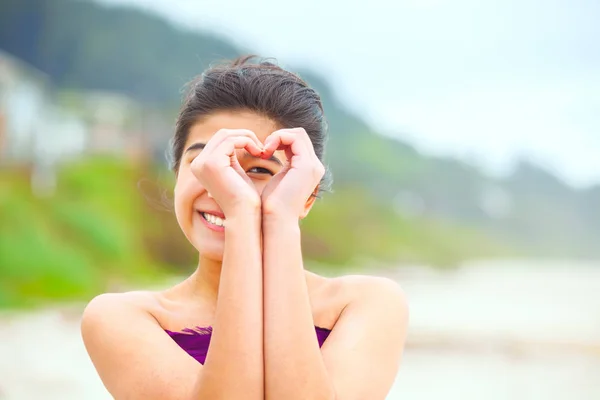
309, 203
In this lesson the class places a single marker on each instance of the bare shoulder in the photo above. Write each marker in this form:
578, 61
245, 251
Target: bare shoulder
372, 296
113, 315
116, 306
367, 288
117, 314
374, 301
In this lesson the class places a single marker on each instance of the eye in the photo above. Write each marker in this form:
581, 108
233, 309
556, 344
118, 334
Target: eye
259, 170
189, 157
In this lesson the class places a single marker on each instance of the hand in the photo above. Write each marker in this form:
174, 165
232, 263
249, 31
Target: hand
289, 190
219, 171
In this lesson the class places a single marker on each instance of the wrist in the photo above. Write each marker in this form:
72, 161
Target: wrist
245, 213
277, 210
280, 219
243, 207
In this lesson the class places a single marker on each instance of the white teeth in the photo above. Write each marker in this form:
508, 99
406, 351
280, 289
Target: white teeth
213, 219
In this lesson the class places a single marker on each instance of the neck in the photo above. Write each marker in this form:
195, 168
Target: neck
204, 282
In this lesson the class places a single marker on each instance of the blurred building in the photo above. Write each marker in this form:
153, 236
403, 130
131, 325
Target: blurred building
33, 129
23, 95
41, 126
117, 124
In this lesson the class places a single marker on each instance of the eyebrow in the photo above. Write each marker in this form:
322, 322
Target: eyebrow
200, 146
196, 146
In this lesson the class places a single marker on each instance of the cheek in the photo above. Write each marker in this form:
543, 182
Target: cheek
177, 199
178, 205
187, 189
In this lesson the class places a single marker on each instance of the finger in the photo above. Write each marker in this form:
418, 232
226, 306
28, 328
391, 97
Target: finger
286, 140
288, 137
235, 164
233, 143
222, 155
302, 137
224, 134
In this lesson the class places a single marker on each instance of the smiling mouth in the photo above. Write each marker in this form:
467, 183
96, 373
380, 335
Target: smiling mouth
213, 219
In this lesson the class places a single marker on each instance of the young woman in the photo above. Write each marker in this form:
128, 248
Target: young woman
247, 155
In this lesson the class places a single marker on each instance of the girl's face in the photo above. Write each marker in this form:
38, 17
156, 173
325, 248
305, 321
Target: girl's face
191, 198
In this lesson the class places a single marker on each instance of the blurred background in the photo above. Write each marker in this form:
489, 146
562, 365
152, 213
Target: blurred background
464, 141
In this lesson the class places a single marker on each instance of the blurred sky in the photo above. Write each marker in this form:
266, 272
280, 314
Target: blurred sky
479, 79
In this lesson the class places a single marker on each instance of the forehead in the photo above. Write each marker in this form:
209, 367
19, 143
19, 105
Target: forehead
205, 129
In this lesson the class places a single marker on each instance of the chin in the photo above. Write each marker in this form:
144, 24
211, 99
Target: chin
210, 251
213, 256
210, 245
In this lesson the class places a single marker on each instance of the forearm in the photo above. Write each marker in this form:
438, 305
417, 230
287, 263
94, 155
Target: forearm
294, 368
234, 365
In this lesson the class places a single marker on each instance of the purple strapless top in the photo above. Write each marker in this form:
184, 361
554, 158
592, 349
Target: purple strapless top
195, 341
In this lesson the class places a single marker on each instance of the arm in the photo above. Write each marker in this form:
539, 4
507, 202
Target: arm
294, 367
370, 331
234, 364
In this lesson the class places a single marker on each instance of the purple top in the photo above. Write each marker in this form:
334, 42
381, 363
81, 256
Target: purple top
195, 341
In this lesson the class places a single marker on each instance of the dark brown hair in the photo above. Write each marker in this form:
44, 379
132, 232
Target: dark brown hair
258, 85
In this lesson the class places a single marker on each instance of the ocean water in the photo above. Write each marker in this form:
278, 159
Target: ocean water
504, 330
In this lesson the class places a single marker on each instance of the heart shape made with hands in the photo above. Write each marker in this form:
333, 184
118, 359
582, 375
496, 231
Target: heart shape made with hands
294, 141
295, 185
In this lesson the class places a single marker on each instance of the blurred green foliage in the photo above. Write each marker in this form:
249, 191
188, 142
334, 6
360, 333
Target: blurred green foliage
107, 223
76, 243
353, 226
